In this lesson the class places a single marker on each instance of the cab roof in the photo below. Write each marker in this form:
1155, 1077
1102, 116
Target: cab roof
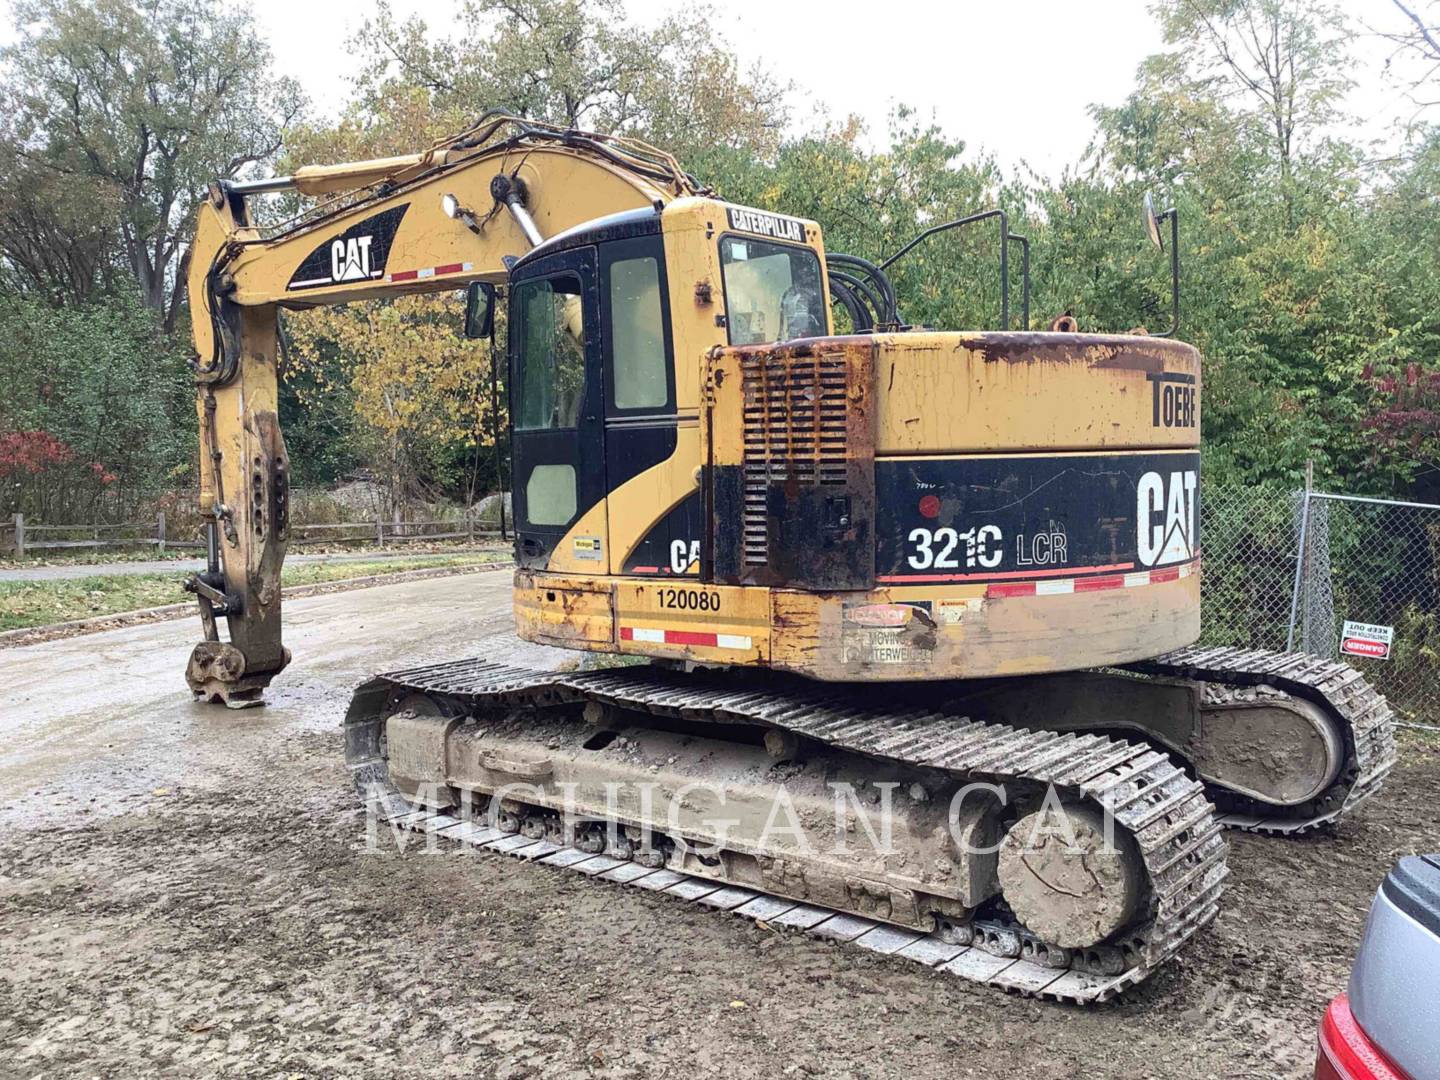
624, 225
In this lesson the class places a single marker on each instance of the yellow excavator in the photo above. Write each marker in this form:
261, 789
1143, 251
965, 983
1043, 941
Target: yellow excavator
949, 577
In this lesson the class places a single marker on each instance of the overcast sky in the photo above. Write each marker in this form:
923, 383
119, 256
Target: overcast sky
1014, 77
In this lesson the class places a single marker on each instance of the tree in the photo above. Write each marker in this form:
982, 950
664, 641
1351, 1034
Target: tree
583, 64
56, 231
390, 384
421, 391
1286, 59
1282, 291
1418, 39
871, 202
1402, 369
1405, 424
135, 105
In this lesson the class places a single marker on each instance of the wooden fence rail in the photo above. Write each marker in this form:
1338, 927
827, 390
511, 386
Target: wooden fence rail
27, 536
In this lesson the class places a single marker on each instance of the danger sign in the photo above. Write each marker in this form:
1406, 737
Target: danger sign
1366, 639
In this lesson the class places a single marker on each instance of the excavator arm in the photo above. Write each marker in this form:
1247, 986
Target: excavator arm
456, 213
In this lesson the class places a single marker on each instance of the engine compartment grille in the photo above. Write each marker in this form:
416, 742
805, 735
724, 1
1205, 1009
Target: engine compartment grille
795, 433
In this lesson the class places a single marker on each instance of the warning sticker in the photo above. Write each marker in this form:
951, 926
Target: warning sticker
1366, 639
951, 612
885, 615
888, 647
588, 547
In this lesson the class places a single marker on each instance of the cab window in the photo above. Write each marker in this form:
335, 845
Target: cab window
772, 291
639, 371
551, 376
550, 494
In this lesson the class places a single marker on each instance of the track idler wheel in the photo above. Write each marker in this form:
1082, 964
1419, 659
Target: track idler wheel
1065, 880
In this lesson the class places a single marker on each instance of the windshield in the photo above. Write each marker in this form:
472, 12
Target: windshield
772, 291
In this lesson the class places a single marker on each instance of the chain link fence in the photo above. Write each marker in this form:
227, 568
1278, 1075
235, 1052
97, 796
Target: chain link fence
1367, 589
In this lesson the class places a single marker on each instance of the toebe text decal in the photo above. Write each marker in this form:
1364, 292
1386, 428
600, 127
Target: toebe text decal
1166, 517
358, 254
1173, 399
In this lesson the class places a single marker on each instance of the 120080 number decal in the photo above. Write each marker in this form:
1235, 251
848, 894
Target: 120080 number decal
689, 599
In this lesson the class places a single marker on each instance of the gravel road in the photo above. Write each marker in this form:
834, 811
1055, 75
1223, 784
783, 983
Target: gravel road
185, 891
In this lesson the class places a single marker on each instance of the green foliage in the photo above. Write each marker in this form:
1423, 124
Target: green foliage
1283, 61
317, 414
1302, 266
1415, 664
577, 63
135, 107
1250, 543
106, 382
871, 203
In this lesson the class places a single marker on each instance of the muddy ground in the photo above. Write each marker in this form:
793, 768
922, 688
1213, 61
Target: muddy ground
186, 892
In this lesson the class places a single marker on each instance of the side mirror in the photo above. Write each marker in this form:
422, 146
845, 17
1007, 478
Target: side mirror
1152, 229
479, 310
1152, 222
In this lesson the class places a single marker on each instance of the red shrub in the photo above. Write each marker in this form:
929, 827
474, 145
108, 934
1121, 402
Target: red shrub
32, 452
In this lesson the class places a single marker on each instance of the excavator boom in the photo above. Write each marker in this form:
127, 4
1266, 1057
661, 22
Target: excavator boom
427, 222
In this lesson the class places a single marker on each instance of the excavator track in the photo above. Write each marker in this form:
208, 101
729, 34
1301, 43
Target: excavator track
1165, 811
1361, 713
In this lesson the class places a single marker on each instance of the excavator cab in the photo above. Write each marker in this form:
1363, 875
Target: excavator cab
591, 379
692, 443
608, 328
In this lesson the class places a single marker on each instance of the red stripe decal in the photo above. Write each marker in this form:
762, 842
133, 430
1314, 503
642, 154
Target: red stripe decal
1016, 588
450, 268
1164, 575
1096, 583
627, 633
645, 569
405, 275
690, 637
1066, 571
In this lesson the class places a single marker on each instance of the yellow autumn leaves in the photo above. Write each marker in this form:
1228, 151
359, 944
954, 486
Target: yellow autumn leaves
417, 383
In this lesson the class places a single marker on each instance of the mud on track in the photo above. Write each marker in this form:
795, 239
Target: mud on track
234, 923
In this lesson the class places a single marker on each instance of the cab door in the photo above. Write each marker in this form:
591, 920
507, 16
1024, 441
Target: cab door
655, 529
557, 414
